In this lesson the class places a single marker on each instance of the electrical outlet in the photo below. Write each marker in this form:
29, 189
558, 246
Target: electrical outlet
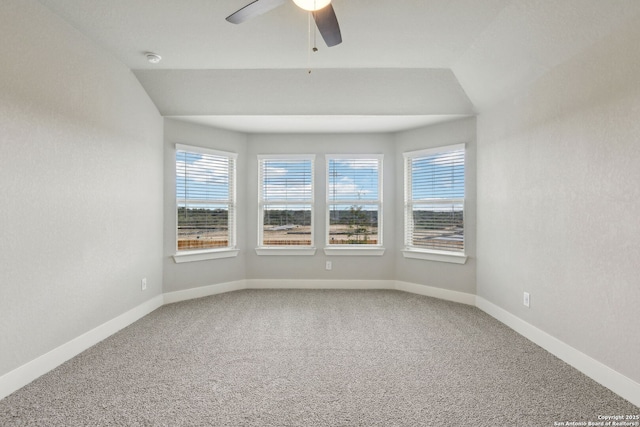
328, 266
525, 299
143, 284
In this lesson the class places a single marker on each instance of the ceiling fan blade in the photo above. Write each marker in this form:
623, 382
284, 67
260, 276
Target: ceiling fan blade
253, 9
327, 23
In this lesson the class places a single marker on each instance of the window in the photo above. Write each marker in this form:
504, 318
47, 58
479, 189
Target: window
285, 201
205, 199
434, 202
354, 202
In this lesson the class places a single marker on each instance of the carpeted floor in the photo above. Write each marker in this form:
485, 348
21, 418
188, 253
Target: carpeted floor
313, 358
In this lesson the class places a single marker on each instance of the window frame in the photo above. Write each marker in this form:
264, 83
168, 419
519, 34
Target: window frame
231, 250
415, 252
296, 250
354, 249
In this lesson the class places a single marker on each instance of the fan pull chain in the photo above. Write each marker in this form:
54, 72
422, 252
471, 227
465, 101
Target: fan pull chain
315, 48
310, 49
315, 35
309, 44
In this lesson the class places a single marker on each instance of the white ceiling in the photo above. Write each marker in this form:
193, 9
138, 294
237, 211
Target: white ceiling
490, 48
193, 34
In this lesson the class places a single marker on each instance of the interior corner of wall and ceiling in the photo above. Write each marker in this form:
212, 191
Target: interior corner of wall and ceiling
428, 61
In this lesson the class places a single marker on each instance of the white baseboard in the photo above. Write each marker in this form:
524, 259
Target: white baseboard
413, 288
318, 284
440, 293
23, 375
599, 372
204, 291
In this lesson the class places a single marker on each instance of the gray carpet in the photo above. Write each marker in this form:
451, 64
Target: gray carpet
313, 358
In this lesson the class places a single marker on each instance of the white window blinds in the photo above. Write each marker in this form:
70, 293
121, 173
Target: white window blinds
286, 201
354, 200
434, 199
205, 198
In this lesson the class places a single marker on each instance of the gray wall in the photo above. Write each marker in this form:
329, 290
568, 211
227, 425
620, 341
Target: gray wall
313, 267
456, 277
249, 265
558, 202
80, 185
201, 273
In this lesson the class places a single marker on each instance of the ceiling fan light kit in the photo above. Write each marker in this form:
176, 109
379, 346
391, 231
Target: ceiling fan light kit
312, 5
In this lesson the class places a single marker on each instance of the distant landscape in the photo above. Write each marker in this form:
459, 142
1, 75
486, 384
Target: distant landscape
201, 228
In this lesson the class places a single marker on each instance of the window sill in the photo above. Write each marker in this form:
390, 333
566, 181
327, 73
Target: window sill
204, 255
440, 256
287, 251
354, 251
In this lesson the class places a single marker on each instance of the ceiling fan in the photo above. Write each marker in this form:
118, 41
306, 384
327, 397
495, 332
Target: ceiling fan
322, 12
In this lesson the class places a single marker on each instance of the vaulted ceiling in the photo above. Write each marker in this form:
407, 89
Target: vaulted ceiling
402, 63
